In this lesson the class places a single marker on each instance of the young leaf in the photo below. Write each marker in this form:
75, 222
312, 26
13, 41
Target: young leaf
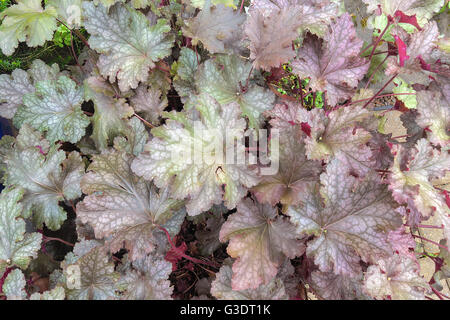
333, 65
16, 247
224, 79
150, 102
260, 241
221, 288
26, 21
419, 47
122, 206
175, 145
349, 217
55, 109
135, 138
129, 46
396, 278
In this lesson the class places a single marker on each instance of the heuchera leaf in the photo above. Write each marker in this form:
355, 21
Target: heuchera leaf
147, 279
57, 293
434, 115
186, 67
149, 102
313, 15
14, 285
333, 64
122, 206
410, 101
47, 177
224, 78
26, 21
218, 28
341, 135
13, 87
109, 113
396, 278
68, 11
208, 237
135, 138
175, 144
349, 217
330, 286
401, 47
419, 47
55, 108
268, 46
411, 181
260, 240
221, 288
129, 46
89, 274
423, 10
16, 247
295, 171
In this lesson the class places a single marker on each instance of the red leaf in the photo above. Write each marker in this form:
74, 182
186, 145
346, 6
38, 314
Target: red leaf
306, 128
407, 19
401, 50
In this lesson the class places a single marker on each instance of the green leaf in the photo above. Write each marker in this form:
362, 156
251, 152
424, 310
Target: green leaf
410, 101
129, 46
224, 77
46, 175
109, 113
184, 81
175, 144
88, 273
55, 108
54, 294
13, 87
14, 286
26, 21
16, 247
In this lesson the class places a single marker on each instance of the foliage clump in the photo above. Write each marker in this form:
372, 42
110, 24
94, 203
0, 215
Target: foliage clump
109, 98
